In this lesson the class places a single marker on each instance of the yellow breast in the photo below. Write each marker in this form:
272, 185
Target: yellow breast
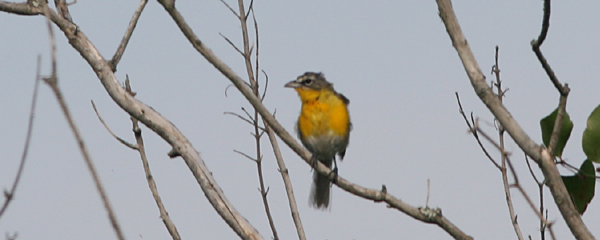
323, 113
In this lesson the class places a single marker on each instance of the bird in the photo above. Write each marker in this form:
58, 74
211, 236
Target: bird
323, 127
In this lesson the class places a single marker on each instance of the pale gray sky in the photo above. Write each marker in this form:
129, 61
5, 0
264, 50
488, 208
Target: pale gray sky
392, 59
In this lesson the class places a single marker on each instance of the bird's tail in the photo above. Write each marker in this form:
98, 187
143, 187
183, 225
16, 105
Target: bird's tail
320, 193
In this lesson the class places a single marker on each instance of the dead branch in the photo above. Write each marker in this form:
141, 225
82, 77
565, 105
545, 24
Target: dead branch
121, 49
371, 194
52, 81
9, 194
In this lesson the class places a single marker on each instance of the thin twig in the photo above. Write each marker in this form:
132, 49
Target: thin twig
541, 193
247, 51
558, 122
9, 195
137, 132
540, 214
474, 132
250, 9
146, 114
132, 23
52, 81
536, 44
128, 144
240, 117
537, 153
503, 157
242, 86
232, 45
287, 182
245, 155
282, 168
545, 24
510, 167
266, 86
257, 135
256, 61
230, 9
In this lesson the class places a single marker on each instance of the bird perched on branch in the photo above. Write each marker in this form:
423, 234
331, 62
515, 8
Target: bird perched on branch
323, 127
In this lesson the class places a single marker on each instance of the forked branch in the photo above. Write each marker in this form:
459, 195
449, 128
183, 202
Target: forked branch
537, 153
242, 86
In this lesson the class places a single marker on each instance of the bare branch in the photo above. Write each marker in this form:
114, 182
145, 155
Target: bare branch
247, 51
240, 117
258, 131
562, 89
248, 114
63, 9
540, 214
503, 157
9, 195
536, 44
474, 132
266, 85
516, 179
31, 7
286, 181
245, 155
137, 132
540, 184
158, 124
240, 84
233, 45
539, 154
52, 81
128, 144
256, 65
230, 9
545, 24
251, 9
121, 49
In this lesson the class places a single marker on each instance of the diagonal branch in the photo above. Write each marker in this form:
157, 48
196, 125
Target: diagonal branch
10, 194
29, 8
539, 154
240, 84
52, 81
474, 132
137, 132
121, 49
147, 116
121, 140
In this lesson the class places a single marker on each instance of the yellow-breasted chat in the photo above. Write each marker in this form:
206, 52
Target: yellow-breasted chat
323, 128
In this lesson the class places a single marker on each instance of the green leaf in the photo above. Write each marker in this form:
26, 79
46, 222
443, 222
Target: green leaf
581, 186
547, 125
591, 136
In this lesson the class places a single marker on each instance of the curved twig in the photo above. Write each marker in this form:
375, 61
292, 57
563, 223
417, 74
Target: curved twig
10, 194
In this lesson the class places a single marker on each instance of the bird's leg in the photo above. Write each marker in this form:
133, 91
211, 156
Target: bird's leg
334, 171
313, 162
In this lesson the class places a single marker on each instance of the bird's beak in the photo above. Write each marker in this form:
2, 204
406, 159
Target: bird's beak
292, 84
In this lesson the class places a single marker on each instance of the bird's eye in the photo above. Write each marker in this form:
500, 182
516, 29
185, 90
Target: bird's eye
308, 81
